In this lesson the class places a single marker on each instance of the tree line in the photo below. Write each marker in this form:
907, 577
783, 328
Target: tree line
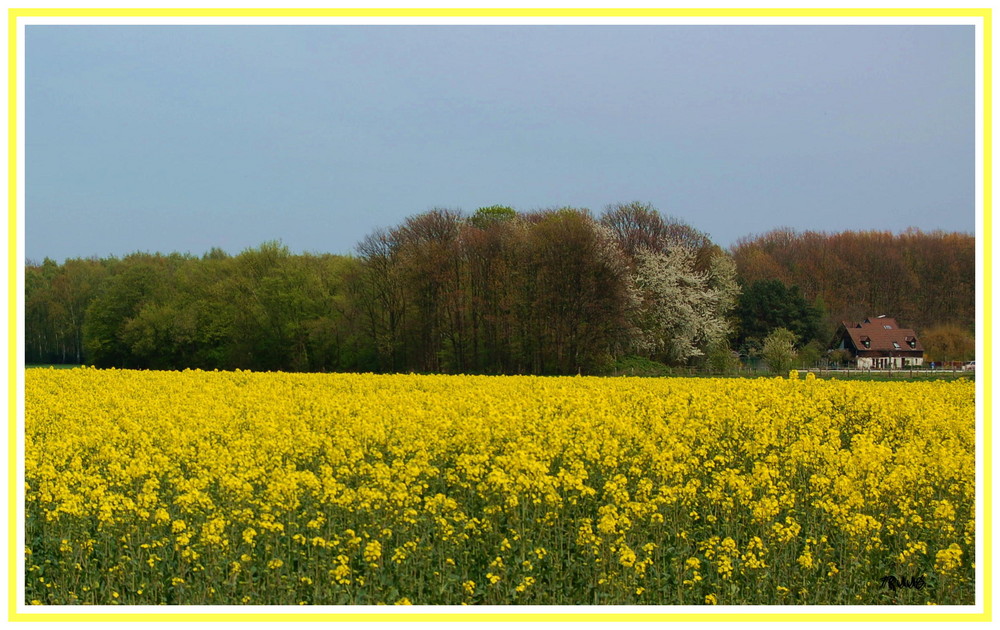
497, 291
922, 279
263, 309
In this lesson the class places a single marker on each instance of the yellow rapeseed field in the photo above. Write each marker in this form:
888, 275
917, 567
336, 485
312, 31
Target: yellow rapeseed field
270, 488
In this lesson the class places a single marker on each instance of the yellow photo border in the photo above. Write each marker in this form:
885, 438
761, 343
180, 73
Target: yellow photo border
985, 369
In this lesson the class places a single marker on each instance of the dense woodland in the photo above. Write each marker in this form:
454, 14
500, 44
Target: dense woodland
498, 292
923, 279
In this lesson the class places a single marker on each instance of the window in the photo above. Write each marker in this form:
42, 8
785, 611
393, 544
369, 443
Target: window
887, 326
895, 345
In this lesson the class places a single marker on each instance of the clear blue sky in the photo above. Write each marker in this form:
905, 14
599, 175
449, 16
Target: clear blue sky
166, 138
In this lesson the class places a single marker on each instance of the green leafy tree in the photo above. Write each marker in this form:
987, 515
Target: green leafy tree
721, 358
486, 217
56, 301
769, 304
810, 354
139, 283
40, 345
779, 350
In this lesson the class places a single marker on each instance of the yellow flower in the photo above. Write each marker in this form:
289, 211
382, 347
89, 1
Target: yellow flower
947, 560
225, 473
340, 574
627, 557
373, 551
805, 560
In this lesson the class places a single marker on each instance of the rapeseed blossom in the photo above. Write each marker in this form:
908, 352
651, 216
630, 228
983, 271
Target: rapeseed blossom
236, 487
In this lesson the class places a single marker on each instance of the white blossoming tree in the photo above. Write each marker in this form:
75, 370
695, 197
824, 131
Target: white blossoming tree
681, 310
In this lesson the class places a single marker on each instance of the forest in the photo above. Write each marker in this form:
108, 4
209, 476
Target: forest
498, 291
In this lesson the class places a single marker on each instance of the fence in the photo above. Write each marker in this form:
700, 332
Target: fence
746, 371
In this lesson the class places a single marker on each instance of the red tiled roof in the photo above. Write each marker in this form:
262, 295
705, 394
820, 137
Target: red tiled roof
882, 332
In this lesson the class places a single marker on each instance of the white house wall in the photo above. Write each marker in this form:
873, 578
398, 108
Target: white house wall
878, 363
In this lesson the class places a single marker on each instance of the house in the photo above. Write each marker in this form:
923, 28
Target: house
880, 343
